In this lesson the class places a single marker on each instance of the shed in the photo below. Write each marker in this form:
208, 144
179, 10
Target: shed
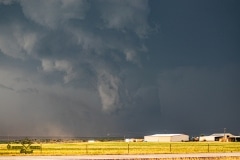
218, 137
166, 138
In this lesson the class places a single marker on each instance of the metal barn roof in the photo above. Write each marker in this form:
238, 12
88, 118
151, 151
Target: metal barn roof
221, 134
166, 135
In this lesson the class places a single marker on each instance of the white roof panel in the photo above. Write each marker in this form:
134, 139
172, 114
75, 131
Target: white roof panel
221, 134
165, 135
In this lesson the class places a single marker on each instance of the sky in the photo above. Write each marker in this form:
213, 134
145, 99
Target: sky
119, 67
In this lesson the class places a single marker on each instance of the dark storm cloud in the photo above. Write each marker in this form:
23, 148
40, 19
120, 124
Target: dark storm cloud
205, 99
92, 68
81, 52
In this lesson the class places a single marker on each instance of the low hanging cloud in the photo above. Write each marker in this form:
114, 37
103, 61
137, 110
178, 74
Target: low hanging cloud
63, 46
16, 41
62, 66
109, 88
5, 87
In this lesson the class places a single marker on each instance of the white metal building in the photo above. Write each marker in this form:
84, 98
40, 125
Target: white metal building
166, 138
216, 137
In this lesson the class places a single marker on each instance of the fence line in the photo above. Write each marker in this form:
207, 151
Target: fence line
125, 148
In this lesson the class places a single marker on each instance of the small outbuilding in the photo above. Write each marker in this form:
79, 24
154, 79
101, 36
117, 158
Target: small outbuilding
166, 138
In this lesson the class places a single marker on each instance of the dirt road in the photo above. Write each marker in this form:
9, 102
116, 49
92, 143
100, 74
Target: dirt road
97, 157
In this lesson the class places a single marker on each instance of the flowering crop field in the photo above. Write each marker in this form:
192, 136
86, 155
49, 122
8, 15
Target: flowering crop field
97, 148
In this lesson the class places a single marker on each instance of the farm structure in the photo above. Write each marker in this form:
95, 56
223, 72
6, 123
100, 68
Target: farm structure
166, 138
221, 137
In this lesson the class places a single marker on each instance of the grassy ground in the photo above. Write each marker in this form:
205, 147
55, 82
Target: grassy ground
84, 148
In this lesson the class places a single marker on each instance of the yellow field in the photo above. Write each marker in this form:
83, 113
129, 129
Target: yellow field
84, 148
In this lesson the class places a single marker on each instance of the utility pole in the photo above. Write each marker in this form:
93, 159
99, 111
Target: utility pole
224, 130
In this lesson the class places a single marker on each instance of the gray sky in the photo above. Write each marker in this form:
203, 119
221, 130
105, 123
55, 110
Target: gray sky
119, 68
